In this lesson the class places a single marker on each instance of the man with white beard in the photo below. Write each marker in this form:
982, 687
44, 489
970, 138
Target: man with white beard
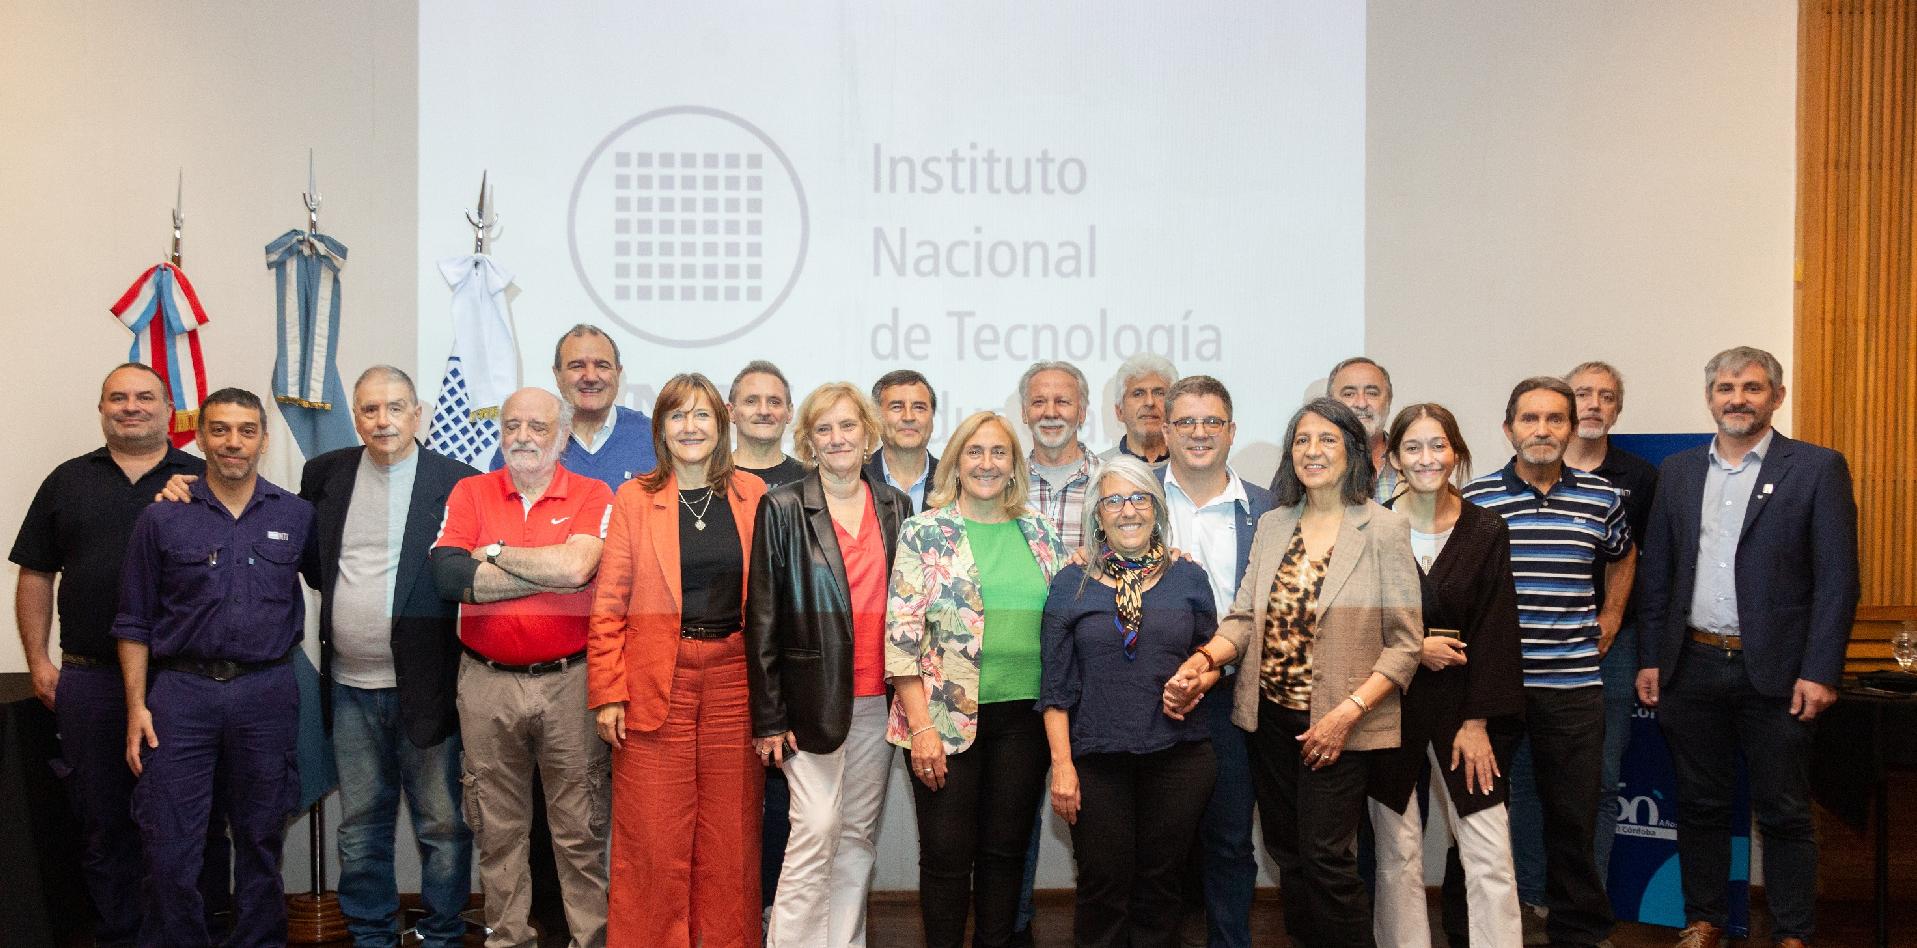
1052, 397
518, 550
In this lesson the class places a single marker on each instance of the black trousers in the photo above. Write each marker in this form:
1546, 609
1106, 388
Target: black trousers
1708, 713
973, 831
1137, 822
1310, 822
1566, 727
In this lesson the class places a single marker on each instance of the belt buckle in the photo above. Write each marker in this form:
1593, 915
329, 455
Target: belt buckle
223, 670
544, 668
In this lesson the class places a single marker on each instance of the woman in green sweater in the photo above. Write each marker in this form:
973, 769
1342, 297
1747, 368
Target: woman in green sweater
962, 652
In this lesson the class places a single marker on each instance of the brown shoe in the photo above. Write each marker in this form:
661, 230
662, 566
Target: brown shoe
1791, 943
1700, 935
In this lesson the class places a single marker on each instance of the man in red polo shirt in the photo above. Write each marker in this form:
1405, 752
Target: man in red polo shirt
518, 550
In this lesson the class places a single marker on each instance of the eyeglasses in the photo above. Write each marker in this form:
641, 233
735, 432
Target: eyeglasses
1114, 503
1189, 425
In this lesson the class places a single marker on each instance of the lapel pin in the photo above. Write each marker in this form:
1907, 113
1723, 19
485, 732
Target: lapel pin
1767, 489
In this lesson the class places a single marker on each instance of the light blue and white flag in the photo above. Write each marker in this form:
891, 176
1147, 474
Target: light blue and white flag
305, 376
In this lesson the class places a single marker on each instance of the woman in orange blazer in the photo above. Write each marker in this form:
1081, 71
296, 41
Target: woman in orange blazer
667, 676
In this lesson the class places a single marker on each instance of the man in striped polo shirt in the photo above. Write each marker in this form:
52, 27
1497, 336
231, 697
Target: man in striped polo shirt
1563, 523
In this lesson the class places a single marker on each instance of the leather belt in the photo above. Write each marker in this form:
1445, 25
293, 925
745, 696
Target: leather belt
535, 669
1717, 640
218, 669
706, 635
74, 660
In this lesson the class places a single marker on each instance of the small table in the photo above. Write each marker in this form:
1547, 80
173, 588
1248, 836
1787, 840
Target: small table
1860, 740
41, 885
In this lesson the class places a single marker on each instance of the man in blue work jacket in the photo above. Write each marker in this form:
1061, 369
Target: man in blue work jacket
210, 599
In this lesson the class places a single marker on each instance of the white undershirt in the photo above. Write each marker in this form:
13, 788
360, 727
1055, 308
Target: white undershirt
1427, 546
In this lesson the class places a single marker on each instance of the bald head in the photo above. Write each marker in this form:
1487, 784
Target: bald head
532, 426
135, 414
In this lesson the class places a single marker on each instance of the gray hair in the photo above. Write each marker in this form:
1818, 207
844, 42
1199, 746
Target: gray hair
1599, 365
1025, 381
759, 367
585, 329
1332, 379
563, 423
387, 373
1737, 359
1136, 473
1141, 365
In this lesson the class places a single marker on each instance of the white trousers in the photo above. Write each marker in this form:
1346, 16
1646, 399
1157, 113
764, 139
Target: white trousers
836, 801
1484, 847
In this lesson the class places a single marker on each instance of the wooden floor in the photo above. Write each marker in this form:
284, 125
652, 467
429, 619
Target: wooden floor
893, 922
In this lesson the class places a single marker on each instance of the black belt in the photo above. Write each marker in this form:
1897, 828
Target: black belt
706, 635
536, 668
219, 669
75, 660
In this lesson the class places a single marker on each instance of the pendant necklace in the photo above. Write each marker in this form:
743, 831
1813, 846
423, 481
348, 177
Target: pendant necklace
698, 516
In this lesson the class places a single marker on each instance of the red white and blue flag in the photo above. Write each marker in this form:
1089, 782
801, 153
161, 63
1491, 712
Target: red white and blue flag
165, 316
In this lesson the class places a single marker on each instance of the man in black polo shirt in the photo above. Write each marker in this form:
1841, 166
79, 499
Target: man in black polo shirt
78, 527
1599, 388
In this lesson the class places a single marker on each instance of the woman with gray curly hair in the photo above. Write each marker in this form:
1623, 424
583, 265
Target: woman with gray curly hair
1131, 776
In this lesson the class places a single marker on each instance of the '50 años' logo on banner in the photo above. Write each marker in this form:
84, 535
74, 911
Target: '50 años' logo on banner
687, 226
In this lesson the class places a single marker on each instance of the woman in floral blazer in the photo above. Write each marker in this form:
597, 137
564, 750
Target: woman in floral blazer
962, 652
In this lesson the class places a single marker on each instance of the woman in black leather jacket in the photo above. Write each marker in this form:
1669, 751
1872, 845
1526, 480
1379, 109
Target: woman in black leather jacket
815, 624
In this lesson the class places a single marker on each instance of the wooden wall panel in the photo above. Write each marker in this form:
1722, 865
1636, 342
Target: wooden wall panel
1856, 340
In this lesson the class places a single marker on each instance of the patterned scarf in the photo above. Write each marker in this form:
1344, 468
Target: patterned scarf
1131, 574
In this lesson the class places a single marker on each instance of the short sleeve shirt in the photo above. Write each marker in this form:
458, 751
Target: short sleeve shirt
78, 526
486, 509
1557, 541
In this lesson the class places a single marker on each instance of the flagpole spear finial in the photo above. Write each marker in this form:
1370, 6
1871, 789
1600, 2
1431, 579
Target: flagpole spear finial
311, 196
485, 220
179, 218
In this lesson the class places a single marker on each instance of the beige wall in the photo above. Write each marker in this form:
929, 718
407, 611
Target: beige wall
101, 104
1554, 182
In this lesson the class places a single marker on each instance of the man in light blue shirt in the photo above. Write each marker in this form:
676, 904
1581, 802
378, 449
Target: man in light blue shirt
1727, 497
1745, 604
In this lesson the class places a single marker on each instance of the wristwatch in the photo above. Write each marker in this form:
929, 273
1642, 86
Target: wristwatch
493, 551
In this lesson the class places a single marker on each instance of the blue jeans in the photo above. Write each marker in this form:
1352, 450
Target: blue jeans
376, 762
1224, 835
1620, 699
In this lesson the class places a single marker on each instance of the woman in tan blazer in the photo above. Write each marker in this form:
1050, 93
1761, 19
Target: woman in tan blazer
1326, 629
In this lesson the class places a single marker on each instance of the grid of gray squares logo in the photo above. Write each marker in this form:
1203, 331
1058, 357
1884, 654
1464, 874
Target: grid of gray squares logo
688, 226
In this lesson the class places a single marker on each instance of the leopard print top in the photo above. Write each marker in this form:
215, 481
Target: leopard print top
1291, 622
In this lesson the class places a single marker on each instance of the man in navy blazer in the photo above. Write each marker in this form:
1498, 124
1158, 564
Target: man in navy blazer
1746, 595
1214, 514
389, 651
